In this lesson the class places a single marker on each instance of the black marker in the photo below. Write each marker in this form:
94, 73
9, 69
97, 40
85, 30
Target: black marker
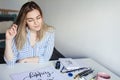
84, 73
72, 70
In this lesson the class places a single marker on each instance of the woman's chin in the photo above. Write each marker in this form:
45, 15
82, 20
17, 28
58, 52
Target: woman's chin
37, 29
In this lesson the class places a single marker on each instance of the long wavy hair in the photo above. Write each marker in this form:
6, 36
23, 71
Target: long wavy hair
20, 38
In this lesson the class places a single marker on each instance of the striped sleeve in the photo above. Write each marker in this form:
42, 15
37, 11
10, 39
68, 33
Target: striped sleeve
15, 52
49, 47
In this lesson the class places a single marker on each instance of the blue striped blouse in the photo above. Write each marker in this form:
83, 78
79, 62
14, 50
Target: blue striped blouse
42, 49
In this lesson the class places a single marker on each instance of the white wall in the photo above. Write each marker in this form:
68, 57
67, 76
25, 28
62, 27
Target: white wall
12, 4
89, 28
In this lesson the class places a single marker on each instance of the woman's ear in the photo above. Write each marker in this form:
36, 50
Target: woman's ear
26, 24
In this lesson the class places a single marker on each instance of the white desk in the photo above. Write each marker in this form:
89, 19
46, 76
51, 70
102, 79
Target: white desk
5, 71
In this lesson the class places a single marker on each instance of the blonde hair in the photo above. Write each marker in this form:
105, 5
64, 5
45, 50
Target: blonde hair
21, 36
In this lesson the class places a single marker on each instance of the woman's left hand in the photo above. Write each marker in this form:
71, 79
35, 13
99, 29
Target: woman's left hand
29, 60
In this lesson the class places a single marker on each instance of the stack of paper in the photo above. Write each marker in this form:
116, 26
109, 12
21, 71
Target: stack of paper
69, 63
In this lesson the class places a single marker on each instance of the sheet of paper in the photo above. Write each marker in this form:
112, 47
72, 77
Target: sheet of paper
47, 73
69, 63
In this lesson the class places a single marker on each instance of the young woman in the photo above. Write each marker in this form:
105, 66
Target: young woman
29, 39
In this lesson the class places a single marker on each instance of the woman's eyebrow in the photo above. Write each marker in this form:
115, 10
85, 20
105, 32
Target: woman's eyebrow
36, 17
29, 18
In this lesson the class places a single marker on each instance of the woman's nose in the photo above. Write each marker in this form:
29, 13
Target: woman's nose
36, 22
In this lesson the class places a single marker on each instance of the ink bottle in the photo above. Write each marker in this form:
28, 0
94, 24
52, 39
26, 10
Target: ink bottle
57, 66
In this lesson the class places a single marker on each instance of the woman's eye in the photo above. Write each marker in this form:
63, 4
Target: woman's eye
38, 17
30, 20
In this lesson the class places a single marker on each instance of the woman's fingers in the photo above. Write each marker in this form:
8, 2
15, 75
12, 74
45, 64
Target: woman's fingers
11, 32
13, 29
23, 61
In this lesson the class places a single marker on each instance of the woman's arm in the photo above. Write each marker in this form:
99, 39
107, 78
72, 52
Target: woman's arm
29, 60
8, 50
10, 34
49, 47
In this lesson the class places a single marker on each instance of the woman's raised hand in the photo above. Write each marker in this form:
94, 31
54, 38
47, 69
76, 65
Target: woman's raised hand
11, 32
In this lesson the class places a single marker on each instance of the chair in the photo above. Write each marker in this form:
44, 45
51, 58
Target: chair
56, 55
1, 55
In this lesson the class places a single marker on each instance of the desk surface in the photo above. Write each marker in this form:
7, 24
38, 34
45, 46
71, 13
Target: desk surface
22, 67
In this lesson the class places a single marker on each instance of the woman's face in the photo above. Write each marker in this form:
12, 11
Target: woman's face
34, 20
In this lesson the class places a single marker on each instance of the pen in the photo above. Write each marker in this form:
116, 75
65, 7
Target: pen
93, 78
72, 70
84, 73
